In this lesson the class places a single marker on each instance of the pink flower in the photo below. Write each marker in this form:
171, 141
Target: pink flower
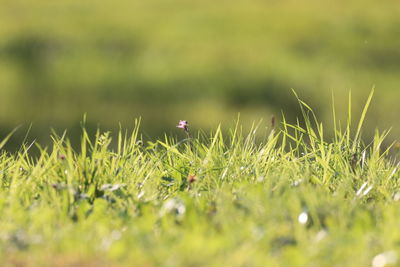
183, 125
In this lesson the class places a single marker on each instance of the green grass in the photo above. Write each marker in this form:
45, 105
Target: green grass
291, 199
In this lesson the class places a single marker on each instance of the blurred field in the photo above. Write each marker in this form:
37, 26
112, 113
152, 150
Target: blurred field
203, 61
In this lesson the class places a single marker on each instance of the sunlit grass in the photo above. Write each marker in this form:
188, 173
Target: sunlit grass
294, 198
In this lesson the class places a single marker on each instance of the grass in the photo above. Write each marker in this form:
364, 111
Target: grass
291, 199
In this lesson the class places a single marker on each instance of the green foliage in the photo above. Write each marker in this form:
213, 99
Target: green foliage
291, 199
206, 59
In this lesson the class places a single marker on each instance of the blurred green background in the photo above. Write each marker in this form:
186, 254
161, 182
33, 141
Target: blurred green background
203, 61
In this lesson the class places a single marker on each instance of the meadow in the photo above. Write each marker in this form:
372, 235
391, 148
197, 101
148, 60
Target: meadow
204, 60
84, 183
294, 198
